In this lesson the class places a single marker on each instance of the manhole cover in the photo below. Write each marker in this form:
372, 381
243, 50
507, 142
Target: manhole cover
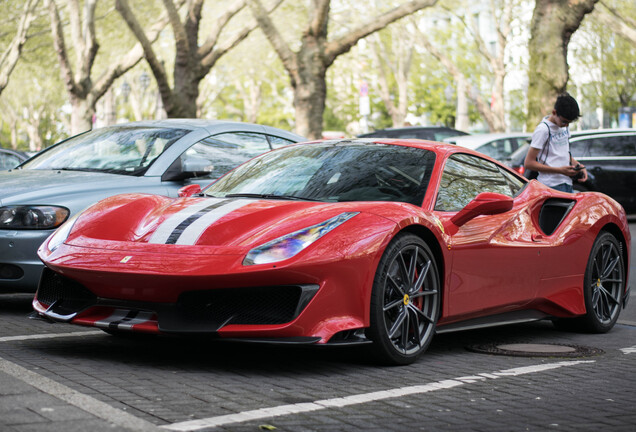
536, 350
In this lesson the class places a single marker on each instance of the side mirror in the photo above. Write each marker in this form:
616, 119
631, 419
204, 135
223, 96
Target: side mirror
486, 203
196, 165
186, 167
189, 190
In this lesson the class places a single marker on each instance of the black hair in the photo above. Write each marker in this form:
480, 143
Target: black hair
566, 107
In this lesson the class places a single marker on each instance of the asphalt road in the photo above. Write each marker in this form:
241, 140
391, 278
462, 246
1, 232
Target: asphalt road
65, 378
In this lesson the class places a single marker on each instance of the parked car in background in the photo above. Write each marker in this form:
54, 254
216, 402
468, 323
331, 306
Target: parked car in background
432, 133
158, 157
496, 145
610, 158
11, 158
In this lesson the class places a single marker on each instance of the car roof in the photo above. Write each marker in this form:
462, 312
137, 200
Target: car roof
409, 129
604, 133
212, 126
14, 152
587, 132
436, 146
474, 141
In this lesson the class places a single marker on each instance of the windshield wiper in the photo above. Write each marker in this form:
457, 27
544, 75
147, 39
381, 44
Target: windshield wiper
78, 169
99, 170
270, 196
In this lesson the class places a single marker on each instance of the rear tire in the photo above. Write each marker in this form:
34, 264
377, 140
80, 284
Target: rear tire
405, 301
603, 287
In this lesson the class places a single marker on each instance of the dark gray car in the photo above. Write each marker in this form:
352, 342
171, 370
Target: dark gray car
157, 157
610, 158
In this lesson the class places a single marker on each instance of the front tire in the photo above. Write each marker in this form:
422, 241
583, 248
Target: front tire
603, 287
405, 301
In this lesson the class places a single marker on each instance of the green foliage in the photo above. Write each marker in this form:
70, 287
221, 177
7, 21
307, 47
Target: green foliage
609, 61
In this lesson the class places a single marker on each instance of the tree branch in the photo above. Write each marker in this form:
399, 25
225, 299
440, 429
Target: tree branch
287, 56
12, 54
60, 48
621, 24
192, 23
155, 64
181, 40
218, 26
76, 29
319, 17
346, 42
211, 57
90, 41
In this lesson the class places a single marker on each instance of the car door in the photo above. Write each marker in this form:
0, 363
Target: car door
496, 262
611, 164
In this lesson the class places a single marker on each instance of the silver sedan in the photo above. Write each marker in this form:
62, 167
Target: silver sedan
157, 157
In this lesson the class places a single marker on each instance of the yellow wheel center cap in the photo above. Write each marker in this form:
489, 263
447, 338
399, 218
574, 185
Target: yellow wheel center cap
598, 283
406, 300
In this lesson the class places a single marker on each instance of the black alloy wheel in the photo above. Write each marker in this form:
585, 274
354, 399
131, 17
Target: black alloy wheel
405, 301
603, 287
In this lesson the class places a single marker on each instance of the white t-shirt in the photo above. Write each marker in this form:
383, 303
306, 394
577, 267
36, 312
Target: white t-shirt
557, 152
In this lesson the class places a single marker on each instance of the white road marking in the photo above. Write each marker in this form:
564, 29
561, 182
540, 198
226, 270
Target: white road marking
630, 350
86, 403
282, 410
49, 336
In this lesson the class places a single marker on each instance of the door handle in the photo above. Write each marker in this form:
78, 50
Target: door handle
537, 237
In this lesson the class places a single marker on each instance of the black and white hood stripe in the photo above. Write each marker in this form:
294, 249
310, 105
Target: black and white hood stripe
186, 226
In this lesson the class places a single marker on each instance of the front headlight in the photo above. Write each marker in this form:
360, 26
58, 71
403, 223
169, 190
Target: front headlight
60, 236
289, 245
32, 217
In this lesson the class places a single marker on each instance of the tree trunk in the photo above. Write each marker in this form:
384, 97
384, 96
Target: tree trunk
310, 90
553, 23
462, 122
82, 111
185, 94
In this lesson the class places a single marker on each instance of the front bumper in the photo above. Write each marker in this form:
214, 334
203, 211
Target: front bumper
62, 299
20, 267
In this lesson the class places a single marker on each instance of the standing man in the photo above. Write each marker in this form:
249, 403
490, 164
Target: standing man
549, 152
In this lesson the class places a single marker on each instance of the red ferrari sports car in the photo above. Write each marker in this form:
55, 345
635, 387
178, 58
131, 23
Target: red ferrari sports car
338, 242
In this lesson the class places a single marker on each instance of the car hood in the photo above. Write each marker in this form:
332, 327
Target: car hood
45, 186
157, 223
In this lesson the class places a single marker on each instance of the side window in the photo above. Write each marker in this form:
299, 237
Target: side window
580, 148
8, 161
613, 146
497, 149
514, 183
211, 158
465, 177
630, 145
277, 142
250, 142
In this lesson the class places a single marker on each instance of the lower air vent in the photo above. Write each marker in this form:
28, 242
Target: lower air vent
210, 310
66, 292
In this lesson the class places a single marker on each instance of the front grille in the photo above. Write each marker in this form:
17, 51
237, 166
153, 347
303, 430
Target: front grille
66, 292
256, 305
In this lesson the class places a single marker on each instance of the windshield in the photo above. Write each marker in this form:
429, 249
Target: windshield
333, 172
119, 150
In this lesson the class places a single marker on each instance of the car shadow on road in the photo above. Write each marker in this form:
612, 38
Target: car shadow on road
207, 353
